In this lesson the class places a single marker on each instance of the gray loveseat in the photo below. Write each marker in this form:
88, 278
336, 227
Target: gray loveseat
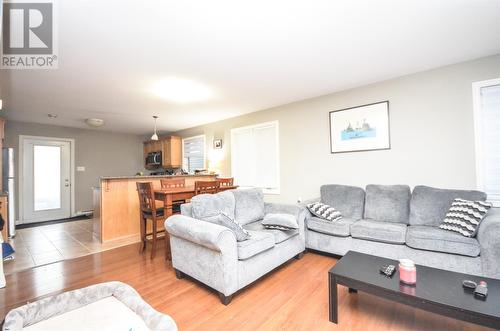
393, 222
211, 254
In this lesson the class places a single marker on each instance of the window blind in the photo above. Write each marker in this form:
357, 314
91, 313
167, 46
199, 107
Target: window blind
193, 153
255, 157
489, 142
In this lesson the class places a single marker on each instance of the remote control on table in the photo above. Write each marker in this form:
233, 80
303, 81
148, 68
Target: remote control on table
469, 284
388, 270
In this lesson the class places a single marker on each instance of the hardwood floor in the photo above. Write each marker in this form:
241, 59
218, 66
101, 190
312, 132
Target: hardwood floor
294, 297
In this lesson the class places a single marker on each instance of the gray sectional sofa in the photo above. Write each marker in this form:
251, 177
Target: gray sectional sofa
388, 221
393, 222
211, 254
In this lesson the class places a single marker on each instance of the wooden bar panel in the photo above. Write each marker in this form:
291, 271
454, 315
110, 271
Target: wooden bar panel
116, 206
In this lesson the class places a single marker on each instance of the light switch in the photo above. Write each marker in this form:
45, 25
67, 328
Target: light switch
80, 168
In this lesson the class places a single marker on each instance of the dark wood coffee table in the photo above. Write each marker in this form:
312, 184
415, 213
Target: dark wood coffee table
437, 291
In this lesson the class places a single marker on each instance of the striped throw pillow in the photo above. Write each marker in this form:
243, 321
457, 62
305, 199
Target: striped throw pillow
464, 216
324, 211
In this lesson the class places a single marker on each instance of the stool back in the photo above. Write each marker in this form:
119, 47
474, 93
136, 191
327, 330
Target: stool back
210, 187
173, 183
146, 199
225, 182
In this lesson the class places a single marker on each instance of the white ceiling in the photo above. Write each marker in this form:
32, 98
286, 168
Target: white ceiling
252, 55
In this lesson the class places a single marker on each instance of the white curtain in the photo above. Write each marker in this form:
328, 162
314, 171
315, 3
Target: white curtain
194, 154
489, 126
254, 156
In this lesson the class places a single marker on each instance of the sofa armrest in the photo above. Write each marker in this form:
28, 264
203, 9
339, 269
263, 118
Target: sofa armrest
209, 235
308, 201
303, 204
489, 239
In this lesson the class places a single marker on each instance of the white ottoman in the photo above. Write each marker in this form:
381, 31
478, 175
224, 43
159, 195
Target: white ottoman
107, 306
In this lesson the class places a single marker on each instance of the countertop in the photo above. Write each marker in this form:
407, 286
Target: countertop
152, 176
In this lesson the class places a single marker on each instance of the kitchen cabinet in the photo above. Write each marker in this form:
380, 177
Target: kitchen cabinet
171, 149
4, 211
152, 146
172, 152
2, 136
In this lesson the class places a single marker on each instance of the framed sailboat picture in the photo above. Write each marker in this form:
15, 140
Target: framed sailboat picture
361, 128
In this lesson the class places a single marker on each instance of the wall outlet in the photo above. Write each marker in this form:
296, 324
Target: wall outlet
80, 168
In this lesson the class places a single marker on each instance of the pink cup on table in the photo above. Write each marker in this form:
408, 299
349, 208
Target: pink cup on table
407, 272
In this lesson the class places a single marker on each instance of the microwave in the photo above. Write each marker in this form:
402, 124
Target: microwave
153, 159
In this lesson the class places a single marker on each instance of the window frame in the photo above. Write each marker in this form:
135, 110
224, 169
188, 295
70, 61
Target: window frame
478, 135
184, 165
274, 191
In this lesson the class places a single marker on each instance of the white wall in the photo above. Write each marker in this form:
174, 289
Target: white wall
432, 134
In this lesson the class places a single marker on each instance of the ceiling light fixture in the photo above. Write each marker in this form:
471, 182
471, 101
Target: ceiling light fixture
94, 122
180, 90
155, 135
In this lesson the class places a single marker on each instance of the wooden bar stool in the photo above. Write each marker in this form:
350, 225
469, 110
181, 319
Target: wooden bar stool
202, 187
224, 183
167, 183
148, 211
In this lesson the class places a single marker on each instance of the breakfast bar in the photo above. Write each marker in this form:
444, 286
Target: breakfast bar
116, 205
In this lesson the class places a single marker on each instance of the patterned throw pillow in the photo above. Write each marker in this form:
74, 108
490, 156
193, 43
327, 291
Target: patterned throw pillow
226, 221
464, 216
280, 222
324, 211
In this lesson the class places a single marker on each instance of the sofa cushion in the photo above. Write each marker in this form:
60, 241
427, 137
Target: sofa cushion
428, 205
259, 242
340, 228
388, 203
210, 205
249, 205
349, 200
279, 235
386, 232
435, 239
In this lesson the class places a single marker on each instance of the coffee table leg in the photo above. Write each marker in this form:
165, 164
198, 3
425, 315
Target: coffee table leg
333, 301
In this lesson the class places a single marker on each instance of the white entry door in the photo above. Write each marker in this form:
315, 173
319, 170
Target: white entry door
46, 182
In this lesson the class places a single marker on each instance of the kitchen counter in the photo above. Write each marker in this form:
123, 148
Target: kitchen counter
116, 205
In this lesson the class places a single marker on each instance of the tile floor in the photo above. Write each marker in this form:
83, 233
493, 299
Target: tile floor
55, 242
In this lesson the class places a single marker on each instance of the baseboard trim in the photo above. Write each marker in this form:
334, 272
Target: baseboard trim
64, 220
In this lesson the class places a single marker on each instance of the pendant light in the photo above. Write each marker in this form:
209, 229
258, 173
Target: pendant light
155, 135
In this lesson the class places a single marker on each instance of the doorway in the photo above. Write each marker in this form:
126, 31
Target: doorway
46, 185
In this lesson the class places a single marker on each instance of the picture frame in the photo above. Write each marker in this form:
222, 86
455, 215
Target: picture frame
360, 129
217, 143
